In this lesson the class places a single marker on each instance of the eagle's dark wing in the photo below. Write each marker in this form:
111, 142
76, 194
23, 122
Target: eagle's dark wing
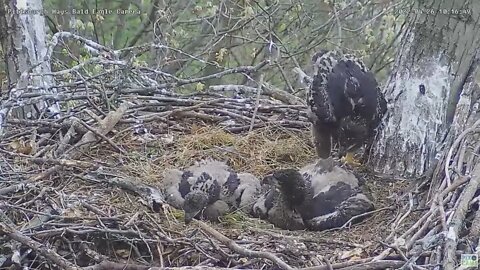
353, 206
329, 185
318, 97
335, 196
345, 102
368, 105
321, 109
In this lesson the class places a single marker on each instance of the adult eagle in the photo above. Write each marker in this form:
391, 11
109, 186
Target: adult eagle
345, 104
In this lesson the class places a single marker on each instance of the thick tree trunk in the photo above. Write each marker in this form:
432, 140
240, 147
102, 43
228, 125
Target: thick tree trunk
436, 56
23, 42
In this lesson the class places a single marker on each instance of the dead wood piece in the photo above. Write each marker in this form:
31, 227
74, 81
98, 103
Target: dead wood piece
458, 219
267, 90
65, 141
64, 162
257, 102
94, 209
121, 266
105, 126
227, 113
202, 116
179, 82
360, 265
159, 115
475, 228
101, 136
153, 196
383, 264
456, 144
12, 188
283, 123
242, 251
48, 253
303, 78
309, 239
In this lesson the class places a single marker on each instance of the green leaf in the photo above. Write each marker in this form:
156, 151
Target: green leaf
199, 87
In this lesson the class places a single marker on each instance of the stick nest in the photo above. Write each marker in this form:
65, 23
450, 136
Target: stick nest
78, 187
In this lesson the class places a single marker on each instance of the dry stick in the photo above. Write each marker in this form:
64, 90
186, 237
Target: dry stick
415, 226
105, 126
227, 113
471, 160
12, 188
380, 265
461, 157
365, 264
257, 103
426, 218
267, 90
183, 109
49, 254
180, 82
460, 181
107, 265
283, 123
308, 239
245, 252
65, 141
363, 215
94, 209
475, 228
303, 77
63, 162
100, 135
455, 145
339, 26
441, 213
285, 77
339, 265
201, 116
152, 195
458, 219
399, 219
420, 231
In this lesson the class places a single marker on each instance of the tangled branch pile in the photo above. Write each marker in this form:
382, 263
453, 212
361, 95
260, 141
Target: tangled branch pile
78, 186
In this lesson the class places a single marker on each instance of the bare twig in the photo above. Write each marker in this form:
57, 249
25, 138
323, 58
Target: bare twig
245, 252
257, 102
458, 217
49, 254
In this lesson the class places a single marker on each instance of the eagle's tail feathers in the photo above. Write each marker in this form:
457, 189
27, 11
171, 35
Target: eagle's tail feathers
322, 139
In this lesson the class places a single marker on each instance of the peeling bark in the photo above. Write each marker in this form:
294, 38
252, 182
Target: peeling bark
435, 58
24, 47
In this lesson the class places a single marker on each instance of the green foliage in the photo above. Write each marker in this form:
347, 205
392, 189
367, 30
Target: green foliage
235, 33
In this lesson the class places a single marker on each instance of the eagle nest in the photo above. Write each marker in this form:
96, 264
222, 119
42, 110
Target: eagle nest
79, 191
99, 211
